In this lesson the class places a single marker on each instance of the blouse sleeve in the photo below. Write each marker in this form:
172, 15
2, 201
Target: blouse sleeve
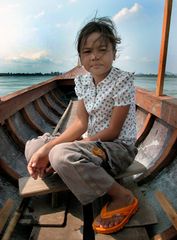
124, 92
78, 87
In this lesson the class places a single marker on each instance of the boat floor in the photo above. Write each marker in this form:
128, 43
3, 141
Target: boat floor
41, 210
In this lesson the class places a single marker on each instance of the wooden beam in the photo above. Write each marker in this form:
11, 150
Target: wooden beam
148, 122
167, 207
168, 234
164, 47
5, 213
29, 187
163, 107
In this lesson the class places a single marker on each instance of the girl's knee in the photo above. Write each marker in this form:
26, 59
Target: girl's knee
62, 155
28, 150
34, 144
58, 152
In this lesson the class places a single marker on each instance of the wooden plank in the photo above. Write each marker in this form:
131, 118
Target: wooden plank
57, 97
35, 120
168, 234
125, 234
12, 103
52, 104
12, 161
141, 115
46, 112
135, 168
155, 151
148, 101
5, 213
167, 207
46, 215
142, 133
169, 111
145, 214
143, 217
20, 129
29, 187
74, 228
40, 210
164, 107
72, 231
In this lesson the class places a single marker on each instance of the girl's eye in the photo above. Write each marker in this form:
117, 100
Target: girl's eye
86, 51
103, 49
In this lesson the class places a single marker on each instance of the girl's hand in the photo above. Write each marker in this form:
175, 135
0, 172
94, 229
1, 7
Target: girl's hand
38, 163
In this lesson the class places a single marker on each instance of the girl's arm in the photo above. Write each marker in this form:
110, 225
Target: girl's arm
75, 130
118, 117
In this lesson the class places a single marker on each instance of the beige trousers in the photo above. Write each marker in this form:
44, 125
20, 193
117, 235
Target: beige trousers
82, 170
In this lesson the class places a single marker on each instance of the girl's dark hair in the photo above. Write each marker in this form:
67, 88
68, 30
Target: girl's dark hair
103, 25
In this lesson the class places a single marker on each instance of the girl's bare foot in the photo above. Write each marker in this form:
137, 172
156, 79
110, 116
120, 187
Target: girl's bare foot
116, 203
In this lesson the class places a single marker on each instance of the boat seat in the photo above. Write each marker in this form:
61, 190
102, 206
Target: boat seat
29, 187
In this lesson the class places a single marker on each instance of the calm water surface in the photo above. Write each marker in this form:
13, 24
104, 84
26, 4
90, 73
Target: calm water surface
170, 84
9, 84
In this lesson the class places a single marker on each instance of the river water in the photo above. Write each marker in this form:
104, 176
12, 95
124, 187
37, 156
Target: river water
9, 84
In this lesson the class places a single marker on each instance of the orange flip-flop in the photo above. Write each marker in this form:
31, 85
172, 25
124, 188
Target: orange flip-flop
126, 212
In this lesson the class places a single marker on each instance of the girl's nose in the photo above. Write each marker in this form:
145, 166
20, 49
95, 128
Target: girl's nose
94, 55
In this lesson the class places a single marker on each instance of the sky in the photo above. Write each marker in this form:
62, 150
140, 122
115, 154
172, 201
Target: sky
40, 35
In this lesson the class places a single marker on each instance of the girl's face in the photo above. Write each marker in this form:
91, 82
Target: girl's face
97, 56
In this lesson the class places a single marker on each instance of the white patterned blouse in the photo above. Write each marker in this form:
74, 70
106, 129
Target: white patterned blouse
117, 89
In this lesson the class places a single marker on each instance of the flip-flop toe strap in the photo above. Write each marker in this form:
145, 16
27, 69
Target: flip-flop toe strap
118, 212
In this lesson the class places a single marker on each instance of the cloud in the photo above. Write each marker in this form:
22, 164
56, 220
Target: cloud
58, 25
40, 14
146, 60
34, 55
59, 6
70, 24
72, 1
126, 58
31, 58
34, 29
7, 8
125, 12
11, 27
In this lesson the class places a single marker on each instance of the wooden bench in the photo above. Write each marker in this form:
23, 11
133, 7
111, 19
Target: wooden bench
29, 187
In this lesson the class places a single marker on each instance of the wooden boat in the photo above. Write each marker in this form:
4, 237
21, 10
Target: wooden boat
38, 109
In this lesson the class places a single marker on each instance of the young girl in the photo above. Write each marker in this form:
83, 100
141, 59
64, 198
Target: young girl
106, 112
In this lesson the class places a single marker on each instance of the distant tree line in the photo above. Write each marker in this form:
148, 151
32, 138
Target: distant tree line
155, 75
60, 73
31, 74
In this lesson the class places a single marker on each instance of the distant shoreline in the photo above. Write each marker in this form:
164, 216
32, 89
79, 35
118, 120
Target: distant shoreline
170, 75
31, 74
